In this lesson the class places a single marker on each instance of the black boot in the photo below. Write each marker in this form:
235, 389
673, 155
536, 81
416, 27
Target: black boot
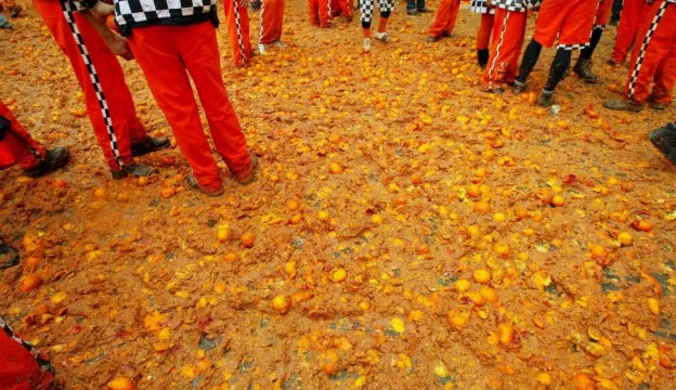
482, 57
583, 70
148, 145
54, 159
664, 140
133, 169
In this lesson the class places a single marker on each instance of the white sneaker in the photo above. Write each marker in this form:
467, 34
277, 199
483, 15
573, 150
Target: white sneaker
280, 44
367, 44
262, 48
381, 36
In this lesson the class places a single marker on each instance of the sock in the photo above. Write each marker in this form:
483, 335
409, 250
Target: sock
482, 56
530, 58
382, 25
588, 51
559, 66
367, 32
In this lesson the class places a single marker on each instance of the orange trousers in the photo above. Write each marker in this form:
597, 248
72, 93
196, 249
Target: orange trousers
483, 36
633, 14
319, 12
237, 17
272, 19
110, 106
508, 35
444, 22
18, 147
654, 56
341, 8
167, 54
22, 366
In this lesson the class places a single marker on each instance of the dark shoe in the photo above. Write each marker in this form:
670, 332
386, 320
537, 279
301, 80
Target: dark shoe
149, 145
621, 105
612, 62
256, 5
656, 105
546, 99
425, 11
248, 175
14, 13
482, 56
133, 169
664, 139
54, 159
432, 39
412, 12
9, 256
191, 183
495, 90
447, 34
518, 87
4, 23
583, 70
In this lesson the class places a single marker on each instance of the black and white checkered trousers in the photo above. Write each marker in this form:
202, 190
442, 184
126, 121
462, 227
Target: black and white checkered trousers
368, 6
644, 48
480, 7
141, 11
68, 9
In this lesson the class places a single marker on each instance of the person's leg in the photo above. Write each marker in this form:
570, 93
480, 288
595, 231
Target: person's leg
627, 29
654, 44
323, 9
452, 18
366, 10
386, 8
279, 20
237, 18
23, 149
559, 66
346, 8
441, 20
268, 20
109, 102
483, 38
313, 8
502, 66
411, 6
160, 60
199, 50
528, 62
665, 77
583, 66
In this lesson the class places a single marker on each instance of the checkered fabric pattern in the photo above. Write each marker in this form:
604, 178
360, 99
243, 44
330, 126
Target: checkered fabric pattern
579, 46
44, 364
644, 47
240, 37
517, 5
145, 12
330, 10
66, 6
368, 6
480, 7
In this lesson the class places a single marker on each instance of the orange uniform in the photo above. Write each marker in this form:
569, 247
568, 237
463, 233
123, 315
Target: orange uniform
654, 56
109, 102
341, 8
320, 12
17, 147
444, 22
633, 14
569, 20
508, 36
237, 17
272, 19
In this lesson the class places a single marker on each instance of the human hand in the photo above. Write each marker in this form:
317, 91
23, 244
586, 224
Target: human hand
119, 46
244, 3
101, 10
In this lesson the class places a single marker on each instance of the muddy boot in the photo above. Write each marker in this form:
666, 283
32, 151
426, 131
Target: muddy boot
518, 87
148, 145
664, 139
583, 70
9, 256
54, 159
133, 169
482, 56
546, 99
247, 175
14, 12
621, 105
191, 183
